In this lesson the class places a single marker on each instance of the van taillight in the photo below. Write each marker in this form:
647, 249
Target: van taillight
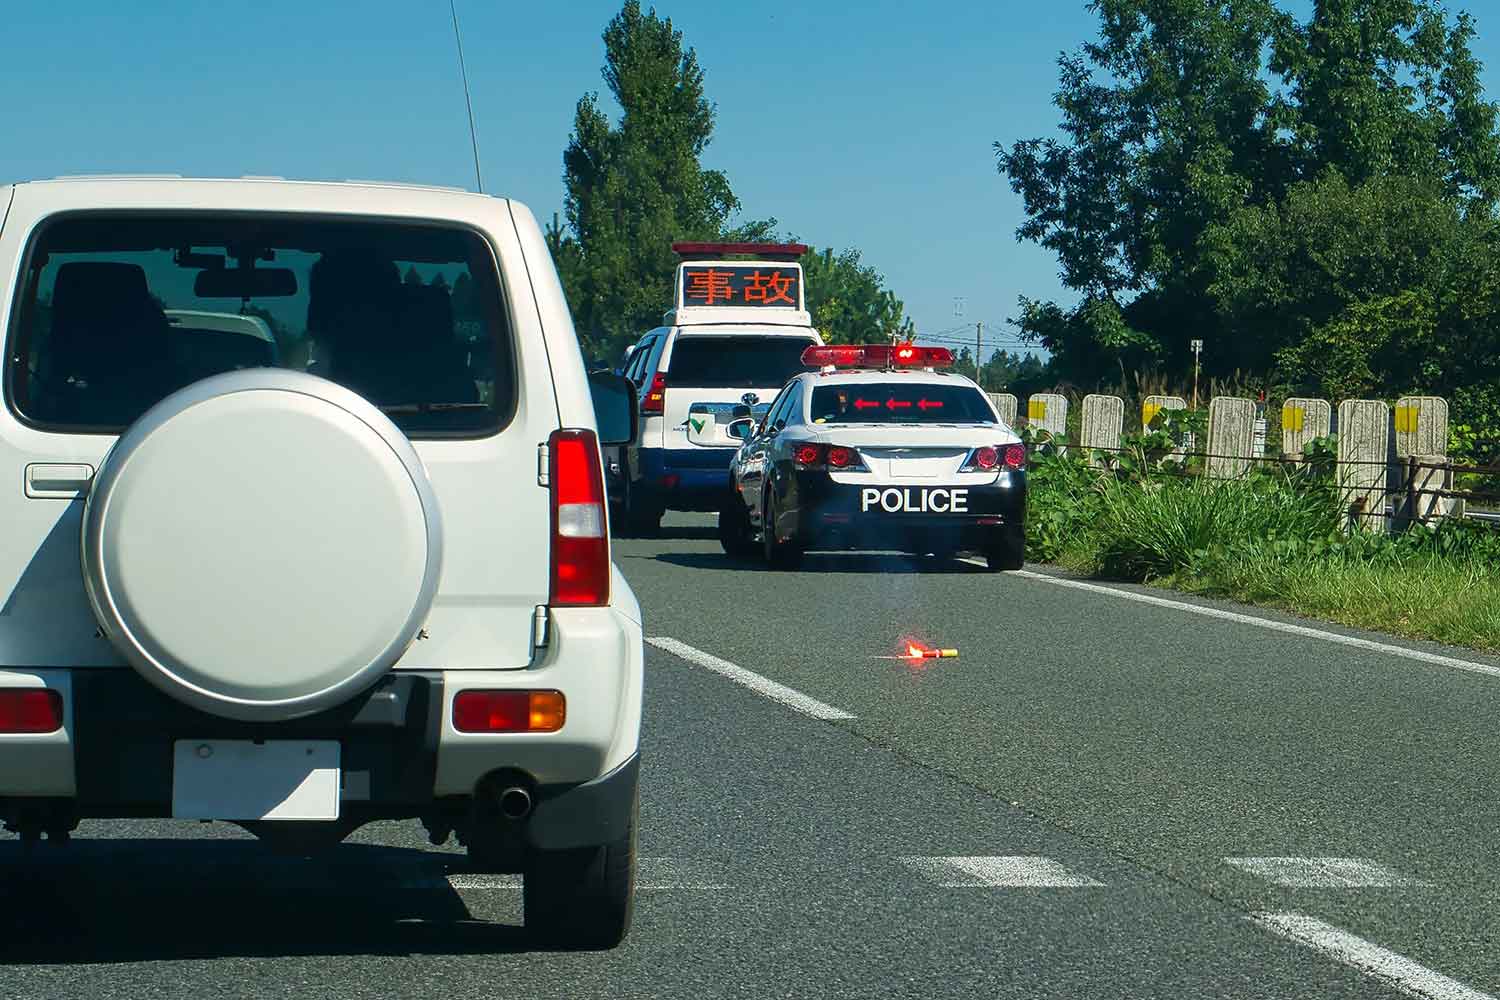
580, 536
656, 396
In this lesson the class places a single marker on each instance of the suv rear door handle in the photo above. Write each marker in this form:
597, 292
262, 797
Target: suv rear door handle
58, 482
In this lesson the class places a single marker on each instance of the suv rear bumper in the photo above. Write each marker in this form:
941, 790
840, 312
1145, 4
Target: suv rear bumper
400, 756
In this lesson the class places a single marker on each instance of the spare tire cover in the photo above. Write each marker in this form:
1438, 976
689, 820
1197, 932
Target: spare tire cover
262, 544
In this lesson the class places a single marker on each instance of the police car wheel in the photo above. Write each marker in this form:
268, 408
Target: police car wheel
779, 554
735, 533
1008, 550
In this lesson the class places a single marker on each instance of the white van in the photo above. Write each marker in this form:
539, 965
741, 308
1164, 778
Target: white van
734, 337
300, 602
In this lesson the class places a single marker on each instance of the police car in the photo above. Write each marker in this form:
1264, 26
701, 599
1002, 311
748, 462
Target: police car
736, 333
880, 448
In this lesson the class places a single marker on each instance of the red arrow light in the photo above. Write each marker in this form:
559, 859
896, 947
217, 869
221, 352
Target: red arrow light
865, 404
898, 404
929, 404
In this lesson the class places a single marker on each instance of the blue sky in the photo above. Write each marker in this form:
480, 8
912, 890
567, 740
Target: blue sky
866, 126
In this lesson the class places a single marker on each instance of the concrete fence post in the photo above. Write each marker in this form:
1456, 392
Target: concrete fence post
1048, 412
1303, 420
1364, 452
1421, 426
1231, 436
1007, 404
1103, 423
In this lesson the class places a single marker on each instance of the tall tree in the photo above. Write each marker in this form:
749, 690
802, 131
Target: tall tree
636, 185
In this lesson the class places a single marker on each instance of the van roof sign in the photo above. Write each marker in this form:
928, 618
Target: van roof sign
712, 289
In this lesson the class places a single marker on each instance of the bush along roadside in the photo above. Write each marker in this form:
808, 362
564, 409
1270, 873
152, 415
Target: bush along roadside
1274, 537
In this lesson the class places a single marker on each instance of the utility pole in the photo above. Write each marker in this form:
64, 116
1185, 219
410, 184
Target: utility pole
1197, 346
978, 347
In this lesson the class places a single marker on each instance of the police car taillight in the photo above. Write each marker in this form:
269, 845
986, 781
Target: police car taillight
988, 458
656, 396
876, 356
820, 456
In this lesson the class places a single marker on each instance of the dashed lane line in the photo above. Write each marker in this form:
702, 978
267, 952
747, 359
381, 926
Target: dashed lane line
1304, 631
1394, 970
1325, 873
999, 872
780, 693
668, 874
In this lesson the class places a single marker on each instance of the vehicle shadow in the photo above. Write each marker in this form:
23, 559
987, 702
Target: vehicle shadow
134, 901
674, 532
827, 562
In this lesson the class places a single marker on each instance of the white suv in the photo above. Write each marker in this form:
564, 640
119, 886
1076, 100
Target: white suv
369, 581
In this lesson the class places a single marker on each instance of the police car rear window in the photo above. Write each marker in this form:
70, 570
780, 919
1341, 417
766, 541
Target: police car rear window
899, 403
736, 361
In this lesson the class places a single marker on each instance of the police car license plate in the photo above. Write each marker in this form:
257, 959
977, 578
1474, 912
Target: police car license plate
250, 780
914, 500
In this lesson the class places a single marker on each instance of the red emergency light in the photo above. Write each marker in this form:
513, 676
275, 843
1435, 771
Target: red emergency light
764, 251
877, 356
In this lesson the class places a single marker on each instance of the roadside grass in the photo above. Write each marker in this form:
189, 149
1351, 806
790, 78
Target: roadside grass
1271, 539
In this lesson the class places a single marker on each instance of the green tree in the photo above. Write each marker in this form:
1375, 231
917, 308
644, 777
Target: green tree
636, 185
849, 301
1188, 125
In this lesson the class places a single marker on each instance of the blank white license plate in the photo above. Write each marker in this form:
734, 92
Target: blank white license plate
246, 780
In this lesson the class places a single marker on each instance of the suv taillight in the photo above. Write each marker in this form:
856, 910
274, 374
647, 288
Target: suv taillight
30, 710
580, 536
656, 396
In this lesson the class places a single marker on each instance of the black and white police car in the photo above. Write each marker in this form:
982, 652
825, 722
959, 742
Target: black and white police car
879, 448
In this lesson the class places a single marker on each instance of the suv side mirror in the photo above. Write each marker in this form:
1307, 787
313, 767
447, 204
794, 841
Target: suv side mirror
614, 407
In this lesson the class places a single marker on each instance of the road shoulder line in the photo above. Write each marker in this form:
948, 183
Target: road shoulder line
1304, 631
780, 693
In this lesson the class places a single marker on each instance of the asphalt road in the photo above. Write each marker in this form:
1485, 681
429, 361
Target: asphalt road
1100, 797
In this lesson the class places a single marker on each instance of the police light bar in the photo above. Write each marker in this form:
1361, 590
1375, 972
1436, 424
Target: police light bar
876, 356
767, 251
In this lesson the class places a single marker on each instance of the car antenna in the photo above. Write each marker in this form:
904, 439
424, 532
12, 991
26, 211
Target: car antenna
468, 101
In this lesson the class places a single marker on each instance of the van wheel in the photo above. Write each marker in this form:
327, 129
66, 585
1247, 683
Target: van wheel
642, 518
735, 533
582, 899
779, 554
1008, 550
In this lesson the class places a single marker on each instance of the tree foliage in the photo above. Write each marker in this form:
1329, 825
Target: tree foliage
1314, 199
849, 301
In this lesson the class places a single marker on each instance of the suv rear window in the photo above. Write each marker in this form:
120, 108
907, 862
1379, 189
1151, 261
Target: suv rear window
899, 403
736, 361
118, 311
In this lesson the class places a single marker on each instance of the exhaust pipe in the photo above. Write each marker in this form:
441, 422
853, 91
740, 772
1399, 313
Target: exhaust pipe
515, 803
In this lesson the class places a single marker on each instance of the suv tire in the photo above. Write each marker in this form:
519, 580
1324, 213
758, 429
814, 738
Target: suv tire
582, 899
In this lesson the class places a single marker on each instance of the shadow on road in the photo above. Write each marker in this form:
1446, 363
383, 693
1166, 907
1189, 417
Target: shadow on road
830, 562
135, 900
674, 532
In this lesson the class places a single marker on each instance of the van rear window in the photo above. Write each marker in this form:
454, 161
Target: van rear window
118, 311
737, 361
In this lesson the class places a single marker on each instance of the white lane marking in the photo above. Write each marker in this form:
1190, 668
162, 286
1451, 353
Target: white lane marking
1394, 970
755, 682
672, 874
1266, 623
1325, 873
994, 872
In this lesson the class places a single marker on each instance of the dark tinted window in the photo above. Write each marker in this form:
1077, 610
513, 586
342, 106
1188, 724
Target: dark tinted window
119, 311
896, 402
736, 361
